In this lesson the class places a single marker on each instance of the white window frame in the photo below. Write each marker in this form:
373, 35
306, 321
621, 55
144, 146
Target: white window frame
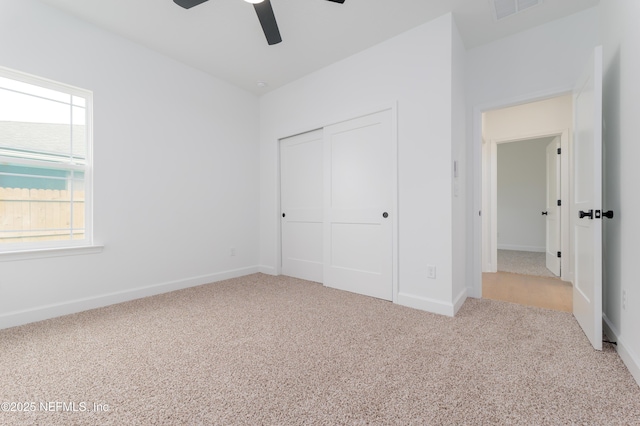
26, 250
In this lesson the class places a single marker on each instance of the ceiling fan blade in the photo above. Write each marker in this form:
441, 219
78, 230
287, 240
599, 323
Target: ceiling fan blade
337, 1
268, 22
188, 4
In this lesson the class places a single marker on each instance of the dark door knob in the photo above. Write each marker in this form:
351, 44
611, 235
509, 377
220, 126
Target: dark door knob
608, 215
545, 213
283, 215
588, 214
385, 215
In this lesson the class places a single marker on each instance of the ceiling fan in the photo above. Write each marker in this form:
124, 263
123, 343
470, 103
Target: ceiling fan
263, 10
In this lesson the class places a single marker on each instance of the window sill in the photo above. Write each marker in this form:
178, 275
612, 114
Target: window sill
49, 252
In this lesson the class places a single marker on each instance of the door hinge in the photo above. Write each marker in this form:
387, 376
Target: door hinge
559, 202
559, 151
559, 254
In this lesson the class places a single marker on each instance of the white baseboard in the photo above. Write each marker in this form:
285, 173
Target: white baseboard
426, 304
459, 301
269, 270
474, 293
521, 248
630, 359
13, 319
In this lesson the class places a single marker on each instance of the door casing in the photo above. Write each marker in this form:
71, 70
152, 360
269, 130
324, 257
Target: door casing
490, 199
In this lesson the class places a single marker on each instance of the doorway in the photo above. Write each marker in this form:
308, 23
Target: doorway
525, 222
527, 214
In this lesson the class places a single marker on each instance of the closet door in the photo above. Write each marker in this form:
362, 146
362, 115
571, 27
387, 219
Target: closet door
358, 205
301, 194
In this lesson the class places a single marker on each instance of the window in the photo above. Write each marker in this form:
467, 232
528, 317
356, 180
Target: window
45, 163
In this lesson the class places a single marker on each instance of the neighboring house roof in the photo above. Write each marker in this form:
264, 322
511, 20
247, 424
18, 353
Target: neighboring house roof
43, 138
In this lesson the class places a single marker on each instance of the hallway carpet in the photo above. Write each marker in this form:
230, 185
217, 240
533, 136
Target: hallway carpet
523, 262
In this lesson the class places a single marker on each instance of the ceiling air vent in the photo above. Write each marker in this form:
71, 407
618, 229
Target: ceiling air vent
504, 8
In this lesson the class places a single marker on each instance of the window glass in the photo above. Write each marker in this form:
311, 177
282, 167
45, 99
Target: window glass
44, 163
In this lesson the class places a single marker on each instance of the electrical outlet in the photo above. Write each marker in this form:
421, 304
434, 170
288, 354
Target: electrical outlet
431, 271
232, 251
624, 300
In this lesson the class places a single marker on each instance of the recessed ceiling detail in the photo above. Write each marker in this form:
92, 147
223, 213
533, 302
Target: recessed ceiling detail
505, 8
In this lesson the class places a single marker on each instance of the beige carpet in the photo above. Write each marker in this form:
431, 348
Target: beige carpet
523, 262
280, 351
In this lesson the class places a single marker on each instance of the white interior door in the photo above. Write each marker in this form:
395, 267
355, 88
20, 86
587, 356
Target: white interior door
301, 195
586, 213
552, 208
358, 245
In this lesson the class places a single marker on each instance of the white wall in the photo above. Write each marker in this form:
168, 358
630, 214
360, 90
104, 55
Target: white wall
522, 193
537, 63
176, 169
414, 70
620, 36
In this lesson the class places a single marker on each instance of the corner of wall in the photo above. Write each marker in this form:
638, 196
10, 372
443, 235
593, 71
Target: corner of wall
459, 234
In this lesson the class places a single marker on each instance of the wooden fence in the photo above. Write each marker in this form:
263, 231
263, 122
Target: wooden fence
40, 214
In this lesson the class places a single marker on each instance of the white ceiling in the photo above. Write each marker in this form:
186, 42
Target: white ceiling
224, 37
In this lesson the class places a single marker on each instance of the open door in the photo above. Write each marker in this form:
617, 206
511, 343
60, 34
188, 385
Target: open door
586, 214
552, 212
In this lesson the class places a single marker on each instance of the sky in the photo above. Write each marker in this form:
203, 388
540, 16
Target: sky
29, 103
